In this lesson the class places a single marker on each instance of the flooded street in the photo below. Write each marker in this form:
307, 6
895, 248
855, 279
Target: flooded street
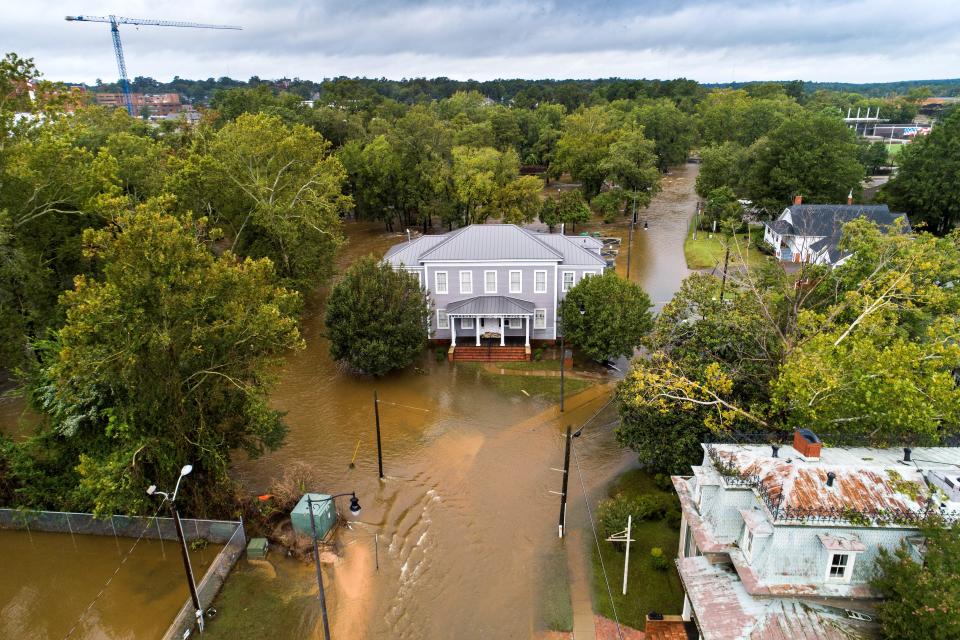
464, 528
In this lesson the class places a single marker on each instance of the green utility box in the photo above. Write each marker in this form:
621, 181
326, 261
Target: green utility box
257, 549
324, 515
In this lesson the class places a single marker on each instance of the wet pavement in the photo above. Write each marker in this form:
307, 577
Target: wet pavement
466, 521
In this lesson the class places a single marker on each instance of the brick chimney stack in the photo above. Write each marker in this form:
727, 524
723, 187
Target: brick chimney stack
798, 199
807, 444
850, 197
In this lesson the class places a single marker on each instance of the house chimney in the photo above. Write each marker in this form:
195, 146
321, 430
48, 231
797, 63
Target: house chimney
776, 448
807, 444
906, 454
797, 199
830, 476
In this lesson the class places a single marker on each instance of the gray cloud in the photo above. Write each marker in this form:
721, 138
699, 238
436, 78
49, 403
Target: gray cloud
853, 40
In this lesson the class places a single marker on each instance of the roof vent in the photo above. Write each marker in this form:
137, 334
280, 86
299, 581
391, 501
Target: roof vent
775, 448
830, 477
807, 444
906, 454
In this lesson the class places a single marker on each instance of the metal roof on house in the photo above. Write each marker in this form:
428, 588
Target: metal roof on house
482, 242
491, 306
876, 482
725, 611
574, 249
408, 253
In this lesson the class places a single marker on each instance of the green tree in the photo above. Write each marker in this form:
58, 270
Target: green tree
164, 359
921, 600
518, 201
549, 214
672, 131
926, 185
631, 163
377, 318
810, 154
616, 316
478, 176
584, 144
571, 208
723, 207
721, 166
277, 191
873, 156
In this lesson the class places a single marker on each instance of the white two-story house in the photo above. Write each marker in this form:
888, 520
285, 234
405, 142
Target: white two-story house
781, 542
497, 284
812, 232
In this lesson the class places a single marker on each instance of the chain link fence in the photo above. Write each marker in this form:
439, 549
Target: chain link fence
228, 533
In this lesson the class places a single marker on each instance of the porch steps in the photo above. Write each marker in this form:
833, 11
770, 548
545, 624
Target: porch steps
490, 354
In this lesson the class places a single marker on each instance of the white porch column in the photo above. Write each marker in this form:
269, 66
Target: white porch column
453, 331
476, 323
503, 332
526, 330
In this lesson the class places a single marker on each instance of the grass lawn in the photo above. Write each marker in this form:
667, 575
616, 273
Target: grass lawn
554, 610
251, 605
706, 252
533, 385
647, 588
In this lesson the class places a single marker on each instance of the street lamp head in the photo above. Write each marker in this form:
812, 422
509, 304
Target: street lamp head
187, 468
583, 309
354, 504
152, 489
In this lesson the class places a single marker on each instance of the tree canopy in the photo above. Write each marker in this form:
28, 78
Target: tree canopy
615, 316
377, 318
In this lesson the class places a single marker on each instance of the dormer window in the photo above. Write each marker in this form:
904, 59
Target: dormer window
841, 567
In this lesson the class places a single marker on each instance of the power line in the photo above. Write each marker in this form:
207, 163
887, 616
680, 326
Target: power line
103, 589
596, 539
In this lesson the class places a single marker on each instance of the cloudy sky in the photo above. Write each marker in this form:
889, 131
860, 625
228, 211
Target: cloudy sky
707, 40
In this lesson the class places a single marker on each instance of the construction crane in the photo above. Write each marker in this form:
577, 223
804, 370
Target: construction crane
115, 21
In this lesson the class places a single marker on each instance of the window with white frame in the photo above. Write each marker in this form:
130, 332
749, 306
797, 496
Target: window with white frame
539, 318
514, 323
840, 567
747, 544
516, 285
466, 323
489, 281
588, 273
466, 282
419, 277
440, 282
539, 281
567, 281
443, 320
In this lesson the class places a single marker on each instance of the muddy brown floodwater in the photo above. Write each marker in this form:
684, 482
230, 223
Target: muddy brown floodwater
465, 520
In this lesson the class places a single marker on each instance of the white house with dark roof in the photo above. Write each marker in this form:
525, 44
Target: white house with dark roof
497, 285
812, 232
780, 543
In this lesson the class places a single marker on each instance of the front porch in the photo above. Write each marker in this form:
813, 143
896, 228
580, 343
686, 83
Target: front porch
490, 329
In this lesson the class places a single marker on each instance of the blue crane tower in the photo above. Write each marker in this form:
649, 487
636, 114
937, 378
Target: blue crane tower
115, 21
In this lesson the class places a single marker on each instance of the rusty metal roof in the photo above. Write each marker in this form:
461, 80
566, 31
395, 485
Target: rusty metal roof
725, 611
799, 484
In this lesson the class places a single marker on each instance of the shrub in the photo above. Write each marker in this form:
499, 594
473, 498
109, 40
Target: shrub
612, 513
657, 560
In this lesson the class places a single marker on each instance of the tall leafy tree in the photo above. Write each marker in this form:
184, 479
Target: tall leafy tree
615, 316
164, 359
377, 318
926, 185
584, 144
672, 131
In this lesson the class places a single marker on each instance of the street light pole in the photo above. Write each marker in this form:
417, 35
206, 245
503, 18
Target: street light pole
376, 414
187, 567
354, 509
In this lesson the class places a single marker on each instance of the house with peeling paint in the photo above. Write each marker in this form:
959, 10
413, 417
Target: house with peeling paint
496, 288
779, 542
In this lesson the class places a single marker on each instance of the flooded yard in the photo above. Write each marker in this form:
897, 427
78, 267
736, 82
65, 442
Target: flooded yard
50, 579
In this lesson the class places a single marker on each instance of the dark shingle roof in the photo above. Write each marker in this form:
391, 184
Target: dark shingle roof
828, 219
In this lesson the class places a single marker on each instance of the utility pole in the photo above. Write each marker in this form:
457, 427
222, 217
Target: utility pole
198, 609
726, 260
316, 563
563, 491
376, 415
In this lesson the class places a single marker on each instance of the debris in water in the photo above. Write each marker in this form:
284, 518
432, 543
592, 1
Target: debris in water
524, 392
